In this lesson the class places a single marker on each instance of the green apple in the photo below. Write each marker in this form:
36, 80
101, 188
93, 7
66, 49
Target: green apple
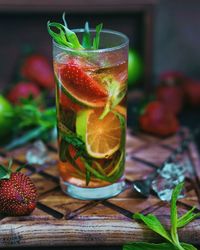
135, 67
5, 120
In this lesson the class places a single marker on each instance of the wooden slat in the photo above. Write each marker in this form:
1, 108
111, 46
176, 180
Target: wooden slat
61, 220
84, 232
62, 203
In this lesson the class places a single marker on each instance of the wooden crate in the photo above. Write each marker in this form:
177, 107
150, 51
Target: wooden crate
61, 220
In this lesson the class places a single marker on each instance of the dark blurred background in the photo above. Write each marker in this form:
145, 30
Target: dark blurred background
164, 34
166, 31
176, 37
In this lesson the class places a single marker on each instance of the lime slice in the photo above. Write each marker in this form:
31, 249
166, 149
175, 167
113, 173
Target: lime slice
102, 137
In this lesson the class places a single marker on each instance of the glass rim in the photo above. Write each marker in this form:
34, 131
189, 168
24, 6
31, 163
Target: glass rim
106, 31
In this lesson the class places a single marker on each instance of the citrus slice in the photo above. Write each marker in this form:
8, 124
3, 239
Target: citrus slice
121, 109
78, 85
102, 137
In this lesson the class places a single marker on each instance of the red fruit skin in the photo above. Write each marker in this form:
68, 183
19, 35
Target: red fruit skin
172, 77
158, 120
192, 92
171, 96
38, 69
67, 103
73, 75
18, 195
23, 90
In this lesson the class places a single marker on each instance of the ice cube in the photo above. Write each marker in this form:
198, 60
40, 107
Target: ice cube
38, 154
169, 177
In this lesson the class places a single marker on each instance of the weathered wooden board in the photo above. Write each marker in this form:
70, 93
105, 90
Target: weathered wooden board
61, 220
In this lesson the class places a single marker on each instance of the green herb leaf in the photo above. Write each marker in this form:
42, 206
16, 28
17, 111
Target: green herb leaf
86, 42
10, 164
96, 39
87, 172
28, 136
73, 39
63, 36
87, 177
4, 173
63, 147
71, 138
72, 161
174, 215
59, 36
64, 20
187, 218
149, 246
116, 93
188, 246
154, 224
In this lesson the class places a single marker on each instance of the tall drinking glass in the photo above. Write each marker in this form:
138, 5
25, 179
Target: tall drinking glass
91, 116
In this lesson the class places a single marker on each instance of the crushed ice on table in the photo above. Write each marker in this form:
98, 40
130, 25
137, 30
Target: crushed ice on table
169, 177
38, 154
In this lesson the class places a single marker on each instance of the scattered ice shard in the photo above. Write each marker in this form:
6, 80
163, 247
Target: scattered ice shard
169, 177
38, 154
54, 134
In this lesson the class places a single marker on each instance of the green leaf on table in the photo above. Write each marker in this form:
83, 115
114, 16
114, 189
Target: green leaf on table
96, 39
149, 246
30, 123
187, 218
154, 224
173, 212
28, 136
4, 173
188, 246
86, 41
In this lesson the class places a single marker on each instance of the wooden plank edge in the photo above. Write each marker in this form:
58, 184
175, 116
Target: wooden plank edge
88, 232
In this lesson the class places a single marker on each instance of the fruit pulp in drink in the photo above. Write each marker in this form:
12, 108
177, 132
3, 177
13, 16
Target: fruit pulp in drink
91, 118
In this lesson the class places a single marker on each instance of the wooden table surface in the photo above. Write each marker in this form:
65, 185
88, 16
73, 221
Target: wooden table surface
60, 220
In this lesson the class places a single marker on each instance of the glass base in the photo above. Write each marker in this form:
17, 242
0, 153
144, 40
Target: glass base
92, 193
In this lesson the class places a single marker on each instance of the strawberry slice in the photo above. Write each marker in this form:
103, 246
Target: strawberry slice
79, 85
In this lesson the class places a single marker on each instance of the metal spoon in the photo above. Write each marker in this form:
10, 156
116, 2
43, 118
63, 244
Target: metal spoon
143, 187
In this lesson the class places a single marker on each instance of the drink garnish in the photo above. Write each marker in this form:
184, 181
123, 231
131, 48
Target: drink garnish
63, 36
80, 86
102, 137
81, 157
172, 238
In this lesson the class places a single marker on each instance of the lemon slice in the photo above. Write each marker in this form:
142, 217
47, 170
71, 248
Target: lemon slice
102, 137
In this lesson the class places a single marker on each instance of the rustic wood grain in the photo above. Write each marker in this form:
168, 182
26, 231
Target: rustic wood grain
61, 220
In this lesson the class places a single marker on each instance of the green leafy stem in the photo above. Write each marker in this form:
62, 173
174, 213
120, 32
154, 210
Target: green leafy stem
30, 123
155, 225
62, 35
